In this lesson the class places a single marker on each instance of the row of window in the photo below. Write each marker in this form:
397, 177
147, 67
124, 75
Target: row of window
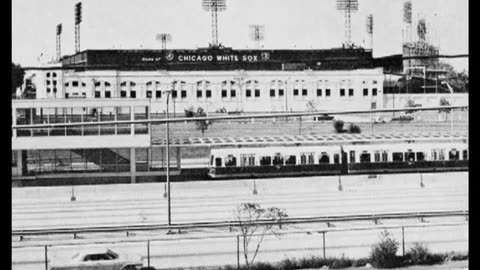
233, 93
324, 158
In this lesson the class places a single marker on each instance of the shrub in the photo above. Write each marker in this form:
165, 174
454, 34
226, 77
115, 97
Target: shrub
383, 254
354, 129
189, 112
338, 125
288, 264
341, 263
262, 266
360, 262
418, 253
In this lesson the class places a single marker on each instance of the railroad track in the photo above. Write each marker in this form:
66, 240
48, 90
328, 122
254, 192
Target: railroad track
231, 223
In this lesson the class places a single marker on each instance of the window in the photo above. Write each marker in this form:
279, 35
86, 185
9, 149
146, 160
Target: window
272, 92
174, 94
324, 158
327, 92
208, 94
291, 160
224, 93
397, 157
257, 92
465, 154
108, 94
54, 75
342, 92
54, 83
280, 92
97, 84
107, 84
384, 156
352, 156
67, 84
83, 84
410, 156
133, 94
350, 92
454, 155
247, 160
374, 91
319, 92
97, 94
420, 156
376, 156
218, 162
48, 82
199, 93
365, 157
278, 159
441, 154
149, 94
336, 158
183, 93
74, 84
304, 92
295, 92
48, 74
158, 94
365, 91
230, 161
265, 161
123, 94
248, 93
48, 90
233, 93
54, 89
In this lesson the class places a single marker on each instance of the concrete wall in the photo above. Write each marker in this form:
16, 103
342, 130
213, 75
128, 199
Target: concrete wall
398, 101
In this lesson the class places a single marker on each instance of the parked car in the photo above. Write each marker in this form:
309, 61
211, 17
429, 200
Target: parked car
100, 259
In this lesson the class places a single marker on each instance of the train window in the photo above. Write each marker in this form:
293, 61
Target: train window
324, 158
280, 92
336, 158
384, 156
365, 157
454, 155
224, 93
352, 156
420, 156
376, 156
441, 154
247, 160
233, 93
230, 161
465, 154
291, 160
278, 160
265, 161
218, 162
303, 159
409, 156
397, 157
310, 158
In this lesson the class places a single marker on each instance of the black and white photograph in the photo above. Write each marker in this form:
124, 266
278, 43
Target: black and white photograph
240, 134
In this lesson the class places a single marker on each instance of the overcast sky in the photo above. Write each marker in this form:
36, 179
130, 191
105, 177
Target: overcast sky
289, 24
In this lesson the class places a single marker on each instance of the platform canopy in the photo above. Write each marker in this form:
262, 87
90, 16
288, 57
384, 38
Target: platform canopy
315, 139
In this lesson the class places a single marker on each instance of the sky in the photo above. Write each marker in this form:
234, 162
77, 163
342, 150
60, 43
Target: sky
289, 24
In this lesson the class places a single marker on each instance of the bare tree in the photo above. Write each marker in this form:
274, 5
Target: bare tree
256, 222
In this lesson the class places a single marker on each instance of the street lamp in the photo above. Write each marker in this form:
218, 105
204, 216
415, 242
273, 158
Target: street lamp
167, 92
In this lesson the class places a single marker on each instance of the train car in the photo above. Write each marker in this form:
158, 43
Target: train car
337, 159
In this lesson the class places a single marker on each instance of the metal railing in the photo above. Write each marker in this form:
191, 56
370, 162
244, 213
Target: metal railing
230, 224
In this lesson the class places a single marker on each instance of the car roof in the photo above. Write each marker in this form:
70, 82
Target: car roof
94, 250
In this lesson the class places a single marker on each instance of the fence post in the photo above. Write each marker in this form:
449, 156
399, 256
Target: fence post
324, 252
148, 253
46, 258
403, 240
238, 251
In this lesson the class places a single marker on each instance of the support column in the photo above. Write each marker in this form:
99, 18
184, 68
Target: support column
133, 169
178, 159
20, 162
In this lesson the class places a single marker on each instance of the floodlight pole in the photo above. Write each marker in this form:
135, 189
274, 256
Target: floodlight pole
214, 24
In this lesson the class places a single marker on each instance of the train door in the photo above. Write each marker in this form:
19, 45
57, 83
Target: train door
344, 164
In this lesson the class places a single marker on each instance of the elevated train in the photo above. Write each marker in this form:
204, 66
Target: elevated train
337, 159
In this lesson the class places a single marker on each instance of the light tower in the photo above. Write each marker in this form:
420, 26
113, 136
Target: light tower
78, 20
422, 30
164, 38
214, 6
59, 49
407, 19
370, 30
257, 34
348, 6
